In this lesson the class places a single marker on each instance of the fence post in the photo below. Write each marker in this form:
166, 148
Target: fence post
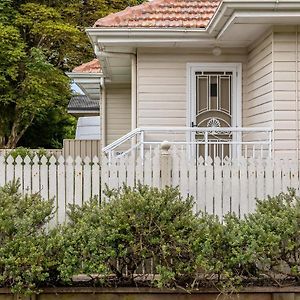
165, 164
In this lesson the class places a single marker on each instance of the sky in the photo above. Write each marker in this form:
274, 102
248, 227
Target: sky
76, 89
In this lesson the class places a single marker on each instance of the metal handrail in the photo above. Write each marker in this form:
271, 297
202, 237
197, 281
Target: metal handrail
204, 130
121, 140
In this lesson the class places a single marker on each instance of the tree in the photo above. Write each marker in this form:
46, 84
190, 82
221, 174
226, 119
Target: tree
39, 41
50, 131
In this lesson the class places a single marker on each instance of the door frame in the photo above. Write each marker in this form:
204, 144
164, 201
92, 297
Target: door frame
236, 103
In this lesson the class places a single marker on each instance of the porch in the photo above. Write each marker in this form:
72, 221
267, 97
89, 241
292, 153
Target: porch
196, 142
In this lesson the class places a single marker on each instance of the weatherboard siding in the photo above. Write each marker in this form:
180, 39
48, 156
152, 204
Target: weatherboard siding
162, 83
258, 106
286, 91
118, 112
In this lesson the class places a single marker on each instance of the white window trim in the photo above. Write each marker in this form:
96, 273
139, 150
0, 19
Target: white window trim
235, 68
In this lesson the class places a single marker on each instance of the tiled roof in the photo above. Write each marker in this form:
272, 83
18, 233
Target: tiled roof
89, 67
163, 14
83, 103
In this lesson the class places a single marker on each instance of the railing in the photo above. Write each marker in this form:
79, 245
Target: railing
223, 142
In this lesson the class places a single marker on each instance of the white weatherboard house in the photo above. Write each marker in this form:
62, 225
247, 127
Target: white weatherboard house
180, 64
218, 80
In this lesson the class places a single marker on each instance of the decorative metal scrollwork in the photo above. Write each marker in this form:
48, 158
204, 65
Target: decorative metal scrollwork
213, 122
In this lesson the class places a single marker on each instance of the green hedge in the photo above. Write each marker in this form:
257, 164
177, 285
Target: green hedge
144, 228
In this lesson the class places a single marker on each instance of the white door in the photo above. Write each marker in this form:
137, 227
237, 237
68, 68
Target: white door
215, 101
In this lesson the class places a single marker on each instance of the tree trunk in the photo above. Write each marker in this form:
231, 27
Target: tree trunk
16, 133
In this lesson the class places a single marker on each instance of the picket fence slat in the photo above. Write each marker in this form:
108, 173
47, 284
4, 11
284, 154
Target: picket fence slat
61, 191
44, 177
209, 205
200, 200
243, 195
226, 187
19, 172
78, 181
96, 178
27, 175
35, 173
87, 179
218, 186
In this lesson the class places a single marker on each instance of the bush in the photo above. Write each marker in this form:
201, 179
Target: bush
26, 252
263, 249
131, 227
113, 241
222, 251
273, 232
23, 152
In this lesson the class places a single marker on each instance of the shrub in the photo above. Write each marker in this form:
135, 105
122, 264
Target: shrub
273, 233
263, 246
111, 242
222, 253
131, 227
26, 253
81, 247
23, 152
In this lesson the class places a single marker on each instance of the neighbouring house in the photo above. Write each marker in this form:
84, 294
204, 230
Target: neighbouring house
221, 77
83, 106
86, 107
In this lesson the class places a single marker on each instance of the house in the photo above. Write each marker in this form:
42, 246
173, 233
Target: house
83, 106
214, 78
219, 77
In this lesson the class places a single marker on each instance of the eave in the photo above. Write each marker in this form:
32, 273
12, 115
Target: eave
88, 82
236, 23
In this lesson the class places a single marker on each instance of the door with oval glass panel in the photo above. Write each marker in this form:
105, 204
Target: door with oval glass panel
215, 105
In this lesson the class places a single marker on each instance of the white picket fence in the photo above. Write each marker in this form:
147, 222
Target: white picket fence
67, 181
218, 186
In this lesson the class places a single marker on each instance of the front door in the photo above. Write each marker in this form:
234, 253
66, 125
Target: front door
215, 103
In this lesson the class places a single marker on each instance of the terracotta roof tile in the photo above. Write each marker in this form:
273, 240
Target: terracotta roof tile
89, 67
163, 13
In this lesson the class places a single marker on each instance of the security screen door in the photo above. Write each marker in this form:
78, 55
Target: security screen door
214, 105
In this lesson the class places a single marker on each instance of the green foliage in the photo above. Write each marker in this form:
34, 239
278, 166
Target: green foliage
39, 41
23, 152
50, 131
265, 246
27, 258
273, 236
222, 252
113, 240
134, 225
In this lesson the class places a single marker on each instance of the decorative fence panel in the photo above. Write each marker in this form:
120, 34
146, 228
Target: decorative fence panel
218, 186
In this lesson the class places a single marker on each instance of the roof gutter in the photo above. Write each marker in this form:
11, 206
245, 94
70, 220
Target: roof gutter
225, 15
150, 35
222, 15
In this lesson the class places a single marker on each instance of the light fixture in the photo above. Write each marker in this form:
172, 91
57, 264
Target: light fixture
216, 51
